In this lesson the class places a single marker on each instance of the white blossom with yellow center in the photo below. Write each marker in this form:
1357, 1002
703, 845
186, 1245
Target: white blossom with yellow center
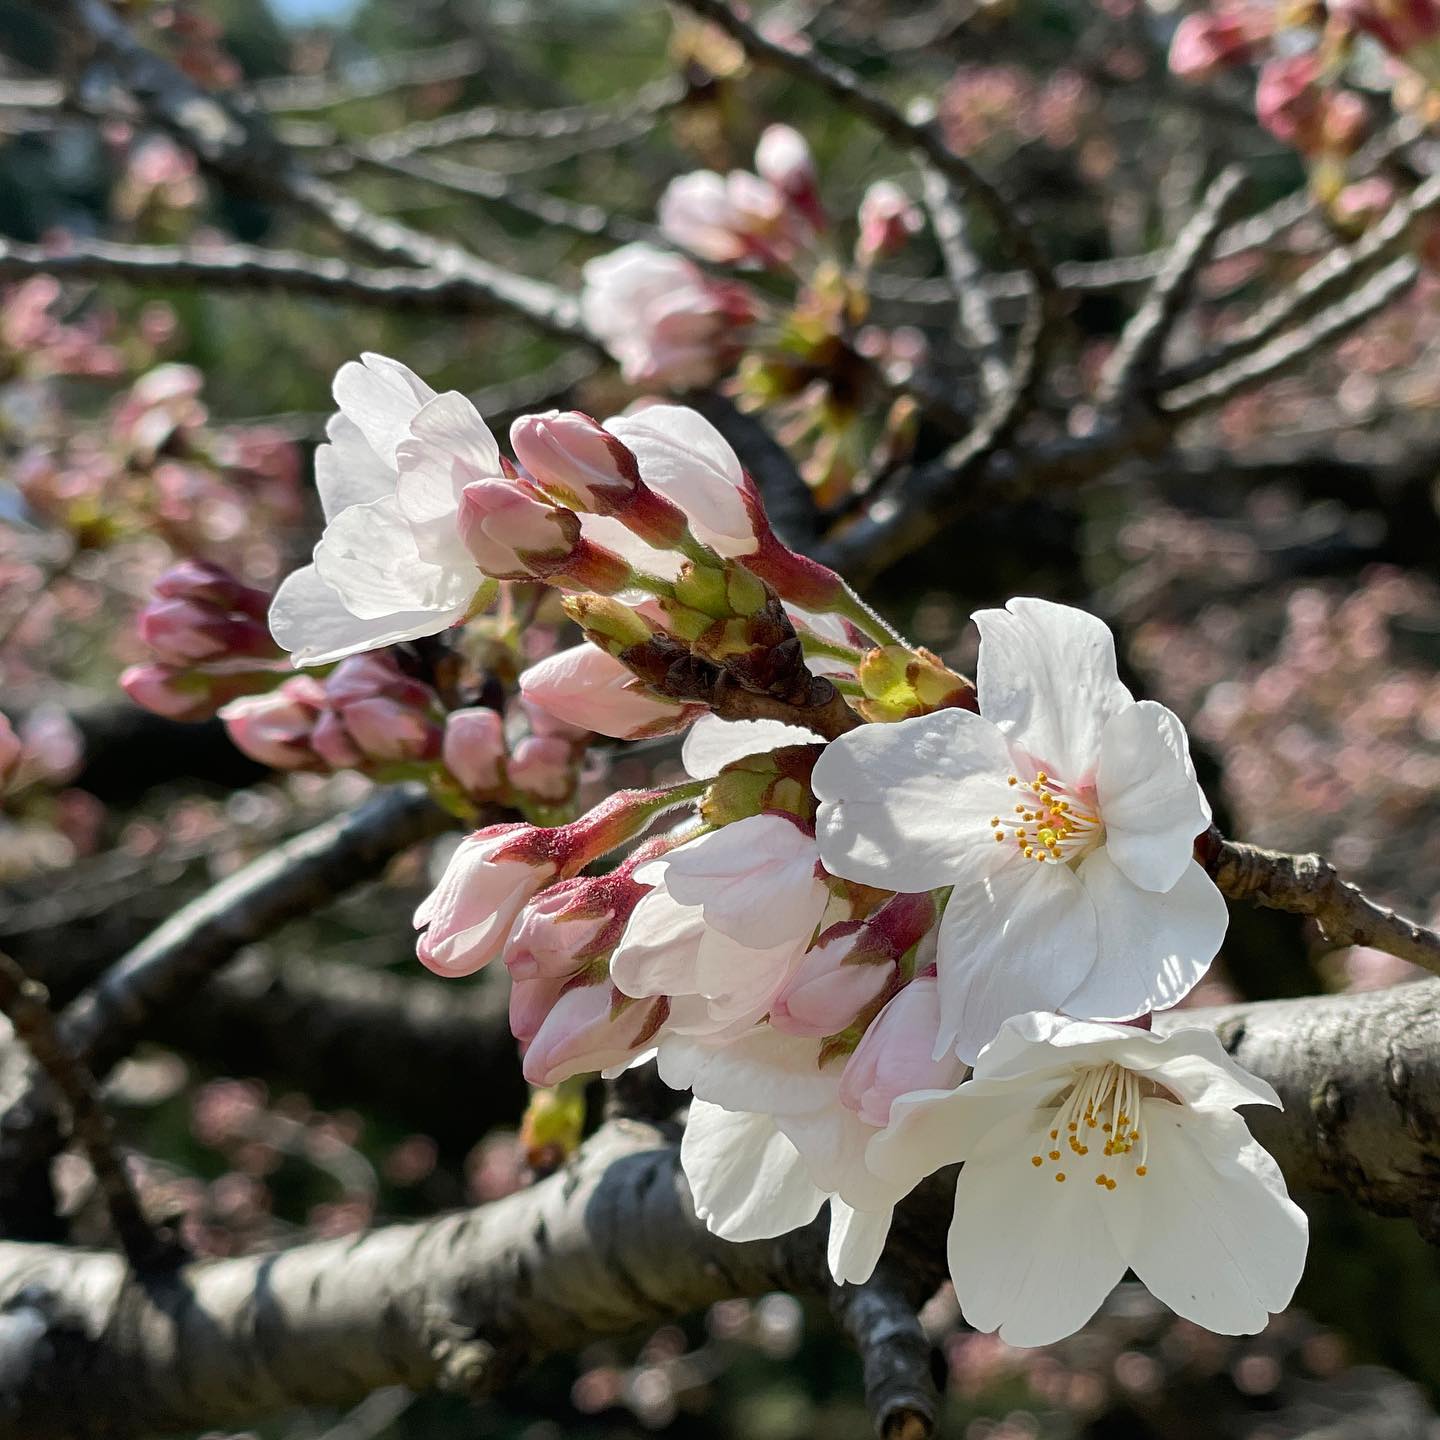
1091, 1149
1064, 817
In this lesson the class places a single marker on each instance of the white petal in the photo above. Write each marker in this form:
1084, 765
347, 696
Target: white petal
1154, 948
659, 948
347, 471
831, 1140
908, 806
1030, 1256
762, 1070
755, 880
746, 1178
683, 456
1209, 1229
1021, 939
607, 532
929, 1129
368, 556
448, 446
856, 1239
310, 620
1190, 1061
1047, 678
714, 743
1150, 801
380, 396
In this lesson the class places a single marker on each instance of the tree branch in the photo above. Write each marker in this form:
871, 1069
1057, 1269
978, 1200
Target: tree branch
611, 1243
880, 1320
1310, 885
27, 1006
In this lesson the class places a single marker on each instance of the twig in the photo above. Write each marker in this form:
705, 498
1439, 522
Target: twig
1324, 282
1310, 885
237, 265
880, 1320
1131, 367
27, 1004
369, 79
104, 1022
1290, 350
926, 139
974, 319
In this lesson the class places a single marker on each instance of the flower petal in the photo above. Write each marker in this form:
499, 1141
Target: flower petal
1047, 678
448, 446
1153, 948
347, 471
746, 1178
1030, 1257
683, 456
368, 556
1021, 939
907, 806
761, 1070
857, 1238
310, 620
1150, 800
714, 743
755, 880
380, 396
1210, 1230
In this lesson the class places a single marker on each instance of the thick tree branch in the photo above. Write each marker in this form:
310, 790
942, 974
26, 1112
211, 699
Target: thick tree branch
1310, 885
27, 1006
879, 1318
611, 1243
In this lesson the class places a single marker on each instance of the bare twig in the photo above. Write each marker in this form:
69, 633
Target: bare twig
1288, 351
368, 79
975, 322
1132, 366
926, 139
27, 1004
1310, 885
104, 1022
1324, 283
233, 265
879, 1317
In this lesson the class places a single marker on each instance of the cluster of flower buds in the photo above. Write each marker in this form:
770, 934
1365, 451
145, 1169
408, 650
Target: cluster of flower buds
1408, 29
1295, 105
365, 715
893, 877
767, 219
1207, 42
207, 633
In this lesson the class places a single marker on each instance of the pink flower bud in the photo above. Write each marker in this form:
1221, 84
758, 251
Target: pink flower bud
1207, 42
1408, 29
201, 613
330, 740
783, 158
10, 749
468, 916
837, 980
732, 218
1292, 105
514, 534
663, 318
570, 925
276, 729
182, 694
586, 687
581, 464
208, 584
542, 766
590, 1027
893, 1058
376, 715
530, 1002
888, 218
473, 748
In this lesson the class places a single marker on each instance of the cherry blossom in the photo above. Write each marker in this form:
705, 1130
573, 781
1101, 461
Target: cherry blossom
1063, 815
390, 564
1090, 1149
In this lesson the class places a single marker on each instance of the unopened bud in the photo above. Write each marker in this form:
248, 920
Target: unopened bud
899, 683
783, 158
473, 748
277, 729
888, 218
184, 694
542, 766
612, 626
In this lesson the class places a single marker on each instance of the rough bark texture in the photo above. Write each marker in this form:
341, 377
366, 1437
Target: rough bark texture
611, 1243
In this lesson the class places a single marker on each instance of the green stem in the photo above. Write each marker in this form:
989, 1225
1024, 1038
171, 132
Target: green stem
852, 608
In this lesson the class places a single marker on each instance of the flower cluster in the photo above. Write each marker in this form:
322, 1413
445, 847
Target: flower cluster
671, 323
892, 919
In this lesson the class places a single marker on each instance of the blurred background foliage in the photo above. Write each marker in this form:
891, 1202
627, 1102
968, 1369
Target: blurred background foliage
1285, 603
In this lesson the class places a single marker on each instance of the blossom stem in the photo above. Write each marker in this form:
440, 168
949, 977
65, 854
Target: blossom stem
852, 608
814, 646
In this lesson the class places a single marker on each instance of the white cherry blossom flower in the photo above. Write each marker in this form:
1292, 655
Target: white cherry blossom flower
1093, 1148
771, 1138
390, 565
1064, 816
